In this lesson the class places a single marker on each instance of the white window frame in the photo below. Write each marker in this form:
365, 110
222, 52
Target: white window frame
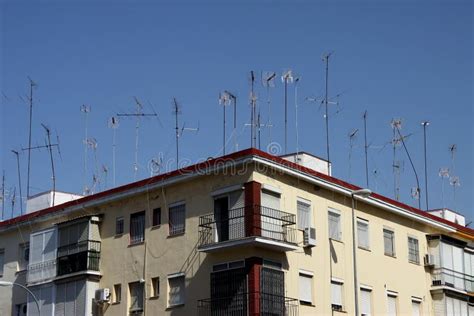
339, 226
394, 252
368, 289
309, 275
417, 249
392, 294
300, 223
183, 297
364, 222
417, 300
340, 284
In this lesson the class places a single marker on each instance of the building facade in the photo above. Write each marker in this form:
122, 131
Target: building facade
245, 234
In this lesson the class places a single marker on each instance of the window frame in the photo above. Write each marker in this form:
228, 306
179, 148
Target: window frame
22, 261
122, 225
132, 241
142, 286
308, 204
117, 294
174, 277
171, 208
363, 222
309, 275
339, 225
339, 283
416, 250
393, 254
368, 290
156, 220
155, 287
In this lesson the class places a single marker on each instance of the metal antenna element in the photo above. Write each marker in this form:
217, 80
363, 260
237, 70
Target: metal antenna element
138, 116
105, 172
13, 199
326, 102
454, 182
176, 112
297, 80
113, 124
85, 109
50, 149
443, 174
224, 100
397, 127
19, 178
32, 85
253, 111
452, 149
287, 77
268, 81
234, 131
352, 137
366, 147
3, 194
425, 124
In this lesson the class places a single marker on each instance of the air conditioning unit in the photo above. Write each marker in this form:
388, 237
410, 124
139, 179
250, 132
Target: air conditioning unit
102, 295
309, 237
429, 260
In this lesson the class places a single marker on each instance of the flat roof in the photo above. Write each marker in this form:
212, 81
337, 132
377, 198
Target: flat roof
251, 152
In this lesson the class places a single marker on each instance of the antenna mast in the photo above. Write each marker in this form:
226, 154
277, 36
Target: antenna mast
32, 85
86, 110
138, 115
19, 178
326, 102
287, 77
3, 194
253, 114
50, 149
352, 137
234, 131
268, 81
176, 112
224, 100
297, 79
366, 150
113, 124
425, 124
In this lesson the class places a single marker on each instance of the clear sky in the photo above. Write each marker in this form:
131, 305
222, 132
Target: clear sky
401, 59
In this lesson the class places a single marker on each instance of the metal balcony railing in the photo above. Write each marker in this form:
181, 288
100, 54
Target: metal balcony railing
249, 221
241, 305
77, 257
454, 279
41, 271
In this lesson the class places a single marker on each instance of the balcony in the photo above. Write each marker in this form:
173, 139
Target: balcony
453, 279
251, 225
41, 271
82, 256
238, 305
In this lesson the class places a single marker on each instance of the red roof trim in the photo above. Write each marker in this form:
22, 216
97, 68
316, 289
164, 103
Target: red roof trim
221, 160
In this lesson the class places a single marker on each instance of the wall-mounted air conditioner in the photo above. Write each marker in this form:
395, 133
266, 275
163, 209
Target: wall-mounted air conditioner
429, 260
102, 295
309, 237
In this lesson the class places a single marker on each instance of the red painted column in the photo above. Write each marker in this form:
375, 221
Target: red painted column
253, 266
252, 192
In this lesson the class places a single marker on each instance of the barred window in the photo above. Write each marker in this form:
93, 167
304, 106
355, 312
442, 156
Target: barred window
389, 242
177, 219
137, 228
413, 250
119, 226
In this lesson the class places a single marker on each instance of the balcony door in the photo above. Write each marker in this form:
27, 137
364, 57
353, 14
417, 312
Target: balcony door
229, 292
229, 216
271, 224
272, 286
221, 214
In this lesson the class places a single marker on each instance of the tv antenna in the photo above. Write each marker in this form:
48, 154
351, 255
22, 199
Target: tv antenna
49, 146
454, 182
85, 109
253, 111
453, 149
268, 81
17, 154
286, 77
326, 103
13, 200
396, 125
366, 147
3, 194
443, 174
30, 99
224, 100
297, 80
234, 131
352, 138
180, 131
113, 124
105, 172
138, 115
155, 165
425, 124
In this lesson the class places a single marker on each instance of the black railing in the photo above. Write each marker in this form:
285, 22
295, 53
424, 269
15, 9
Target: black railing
451, 278
77, 257
247, 304
249, 221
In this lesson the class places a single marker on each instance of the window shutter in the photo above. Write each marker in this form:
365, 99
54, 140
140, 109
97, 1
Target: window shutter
59, 307
270, 200
334, 225
365, 302
458, 262
236, 199
416, 310
336, 290
80, 297
306, 288
363, 234
388, 239
304, 215
392, 305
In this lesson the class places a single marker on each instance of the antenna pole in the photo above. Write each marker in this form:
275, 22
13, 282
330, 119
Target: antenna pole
85, 109
176, 110
3, 194
19, 178
254, 112
49, 146
366, 151
32, 84
235, 120
425, 124
296, 116
326, 58
286, 115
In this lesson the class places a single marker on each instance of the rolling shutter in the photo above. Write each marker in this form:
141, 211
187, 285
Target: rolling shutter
306, 288
304, 215
416, 308
391, 305
365, 302
336, 291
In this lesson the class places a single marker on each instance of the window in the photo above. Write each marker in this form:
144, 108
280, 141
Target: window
136, 297
363, 234
23, 256
119, 226
137, 228
2, 260
336, 295
365, 302
389, 242
391, 304
456, 307
306, 288
334, 225
413, 250
157, 216
304, 215
177, 219
155, 287
176, 290
416, 306
117, 295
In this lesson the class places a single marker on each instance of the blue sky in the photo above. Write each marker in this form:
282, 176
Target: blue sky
395, 59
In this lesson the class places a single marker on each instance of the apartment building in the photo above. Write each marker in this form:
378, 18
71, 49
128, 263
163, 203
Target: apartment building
245, 234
